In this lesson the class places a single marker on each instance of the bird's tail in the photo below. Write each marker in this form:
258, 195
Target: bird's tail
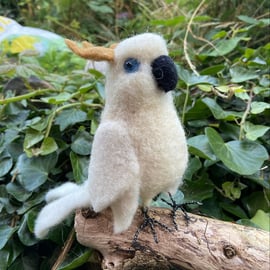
62, 202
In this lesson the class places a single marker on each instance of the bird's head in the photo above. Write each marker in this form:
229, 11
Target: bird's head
138, 66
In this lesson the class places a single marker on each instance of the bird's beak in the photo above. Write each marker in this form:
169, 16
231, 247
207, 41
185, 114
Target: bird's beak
165, 73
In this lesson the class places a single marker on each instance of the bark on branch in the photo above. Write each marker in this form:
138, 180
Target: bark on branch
203, 244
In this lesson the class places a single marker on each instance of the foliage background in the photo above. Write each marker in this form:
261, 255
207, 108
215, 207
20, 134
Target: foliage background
222, 52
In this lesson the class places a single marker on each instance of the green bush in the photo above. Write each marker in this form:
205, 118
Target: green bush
222, 97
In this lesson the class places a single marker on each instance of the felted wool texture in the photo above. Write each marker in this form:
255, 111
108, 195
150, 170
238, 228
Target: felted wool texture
139, 149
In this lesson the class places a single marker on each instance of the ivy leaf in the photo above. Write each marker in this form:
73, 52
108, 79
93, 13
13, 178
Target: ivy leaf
5, 163
234, 209
198, 190
33, 201
5, 233
241, 74
79, 167
243, 157
198, 111
77, 256
25, 235
248, 20
169, 22
48, 146
17, 191
232, 190
262, 219
33, 172
255, 201
224, 47
194, 164
212, 70
258, 107
57, 99
219, 113
82, 143
199, 146
32, 137
253, 132
191, 79
70, 117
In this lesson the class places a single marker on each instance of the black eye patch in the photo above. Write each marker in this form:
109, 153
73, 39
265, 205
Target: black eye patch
165, 73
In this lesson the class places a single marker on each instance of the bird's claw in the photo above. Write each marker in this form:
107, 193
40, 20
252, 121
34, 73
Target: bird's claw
175, 206
151, 222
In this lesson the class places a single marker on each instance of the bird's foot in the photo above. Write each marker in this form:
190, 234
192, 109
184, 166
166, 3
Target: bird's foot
175, 206
151, 222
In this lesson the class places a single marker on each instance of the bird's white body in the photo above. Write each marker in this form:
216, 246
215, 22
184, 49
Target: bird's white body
139, 149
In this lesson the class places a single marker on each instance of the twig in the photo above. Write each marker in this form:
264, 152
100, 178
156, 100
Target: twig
243, 120
65, 250
186, 36
26, 96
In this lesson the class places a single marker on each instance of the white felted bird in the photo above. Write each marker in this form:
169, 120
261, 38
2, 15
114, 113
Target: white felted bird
139, 149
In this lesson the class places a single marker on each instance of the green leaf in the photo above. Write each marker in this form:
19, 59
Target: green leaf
5, 163
32, 202
199, 146
255, 201
77, 256
248, 19
234, 209
104, 9
24, 71
253, 132
11, 251
258, 107
70, 117
5, 233
212, 70
191, 79
219, 113
205, 87
194, 164
198, 190
18, 192
24, 234
229, 130
33, 172
243, 157
232, 190
48, 146
170, 22
79, 167
241, 74
57, 99
262, 219
224, 47
32, 137
4, 257
82, 143
198, 111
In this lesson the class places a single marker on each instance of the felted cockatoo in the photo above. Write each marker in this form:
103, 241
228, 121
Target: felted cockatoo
139, 149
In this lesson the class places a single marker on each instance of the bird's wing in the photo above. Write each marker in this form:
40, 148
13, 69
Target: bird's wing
114, 169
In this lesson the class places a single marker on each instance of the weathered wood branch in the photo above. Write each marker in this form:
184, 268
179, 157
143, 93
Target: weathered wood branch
203, 244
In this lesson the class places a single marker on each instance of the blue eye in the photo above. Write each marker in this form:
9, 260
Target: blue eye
131, 65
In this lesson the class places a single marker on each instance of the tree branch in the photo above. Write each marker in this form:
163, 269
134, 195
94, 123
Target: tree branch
203, 244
